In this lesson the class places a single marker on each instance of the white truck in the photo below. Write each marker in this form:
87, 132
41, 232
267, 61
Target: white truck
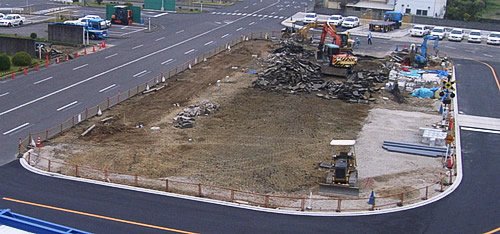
12, 20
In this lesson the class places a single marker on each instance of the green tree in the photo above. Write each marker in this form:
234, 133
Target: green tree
465, 10
4, 62
21, 59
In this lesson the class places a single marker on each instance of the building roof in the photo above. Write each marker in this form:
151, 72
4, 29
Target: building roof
371, 5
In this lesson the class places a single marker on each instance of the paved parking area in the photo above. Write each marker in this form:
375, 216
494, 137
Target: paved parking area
121, 31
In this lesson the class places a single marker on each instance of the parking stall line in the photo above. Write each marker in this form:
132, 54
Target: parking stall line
139, 46
189, 51
208, 43
3, 94
251, 23
169, 61
16, 128
82, 66
140, 73
239, 29
107, 88
40, 81
181, 31
159, 39
245, 7
109, 56
66, 106
488, 55
225, 35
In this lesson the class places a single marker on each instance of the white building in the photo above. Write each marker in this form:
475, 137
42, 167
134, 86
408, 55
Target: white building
431, 8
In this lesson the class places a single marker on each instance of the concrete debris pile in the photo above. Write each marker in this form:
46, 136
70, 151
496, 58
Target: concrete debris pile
186, 118
287, 71
292, 48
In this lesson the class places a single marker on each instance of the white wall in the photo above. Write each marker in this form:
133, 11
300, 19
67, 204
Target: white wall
434, 8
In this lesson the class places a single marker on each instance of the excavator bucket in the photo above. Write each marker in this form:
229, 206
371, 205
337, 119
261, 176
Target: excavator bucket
334, 71
337, 189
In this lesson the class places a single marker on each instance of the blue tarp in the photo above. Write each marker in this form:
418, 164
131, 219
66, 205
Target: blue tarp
424, 92
418, 73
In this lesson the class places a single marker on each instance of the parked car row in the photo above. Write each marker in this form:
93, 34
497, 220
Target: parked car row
337, 20
456, 34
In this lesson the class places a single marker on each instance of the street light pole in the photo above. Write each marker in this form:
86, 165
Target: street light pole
162, 7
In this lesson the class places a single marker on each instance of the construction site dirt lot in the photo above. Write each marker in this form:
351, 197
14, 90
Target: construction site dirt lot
258, 141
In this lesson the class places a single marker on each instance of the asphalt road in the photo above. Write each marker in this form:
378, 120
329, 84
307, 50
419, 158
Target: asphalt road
472, 208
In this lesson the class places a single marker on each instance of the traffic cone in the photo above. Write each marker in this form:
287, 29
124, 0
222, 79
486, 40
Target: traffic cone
372, 198
57, 61
47, 63
76, 55
449, 164
103, 44
36, 67
99, 112
93, 48
38, 142
13, 76
67, 57
85, 52
32, 142
25, 71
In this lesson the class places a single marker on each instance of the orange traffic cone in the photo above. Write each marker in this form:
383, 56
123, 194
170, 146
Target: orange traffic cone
85, 51
38, 142
67, 57
103, 44
13, 76
93, 48
76, 55
36, 67
47, 63
25, 71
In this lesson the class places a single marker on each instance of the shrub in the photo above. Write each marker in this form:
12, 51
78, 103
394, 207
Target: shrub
4, 62
33, 35
21, 59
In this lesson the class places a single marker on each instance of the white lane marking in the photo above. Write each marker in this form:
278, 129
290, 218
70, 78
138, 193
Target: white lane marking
109, 56
239, 29
480, 130
124, 27
272, 13
282, 17
16, 128
451, 47
236, 10
276, 17
138, 74
223, 13
264, 16
259, 15
225, 35
168, 61
159, 39
127, 63
245, 7
254, 15
66, 106
254, 4
238, 14
213, 13
154, 16
46, 79
251, 23
488, 55
179, 31
280, 9
139, 46
189, 51
82, 66
208, 43
3, 94
233, 14
109, 87
244, 14
138, 30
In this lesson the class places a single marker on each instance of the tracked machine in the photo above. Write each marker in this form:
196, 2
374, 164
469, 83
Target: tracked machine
299, 35
335, 58
342, 177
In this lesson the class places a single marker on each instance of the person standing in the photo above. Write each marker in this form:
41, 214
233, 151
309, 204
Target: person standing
369, 38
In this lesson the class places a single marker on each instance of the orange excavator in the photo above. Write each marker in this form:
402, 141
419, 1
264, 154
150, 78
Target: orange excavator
335, 58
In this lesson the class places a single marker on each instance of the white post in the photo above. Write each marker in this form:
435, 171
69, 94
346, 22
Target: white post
149, 23
83, 34
162, 7
40, 51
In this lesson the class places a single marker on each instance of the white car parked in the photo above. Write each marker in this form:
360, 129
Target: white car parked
310, 18
335, 20
350, 22
419, 30
474, 36
438, 32
456, 35
12, 20
494, 38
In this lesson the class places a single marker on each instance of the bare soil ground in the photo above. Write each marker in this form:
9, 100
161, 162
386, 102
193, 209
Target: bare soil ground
257, 141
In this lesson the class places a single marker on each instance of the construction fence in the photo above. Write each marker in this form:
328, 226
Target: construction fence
312, 203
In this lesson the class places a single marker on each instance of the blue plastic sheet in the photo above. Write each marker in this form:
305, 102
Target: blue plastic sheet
424, 93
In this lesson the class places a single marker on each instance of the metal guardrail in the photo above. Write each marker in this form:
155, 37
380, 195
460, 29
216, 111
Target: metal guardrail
205, 190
